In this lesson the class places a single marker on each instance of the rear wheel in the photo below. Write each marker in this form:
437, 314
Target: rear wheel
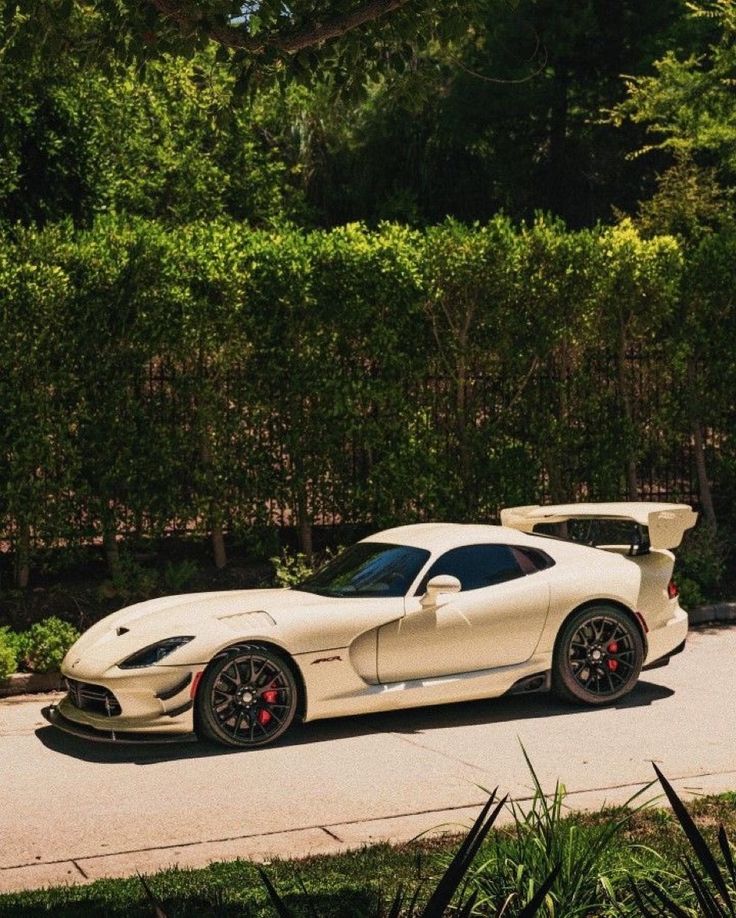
598, 656
247, 697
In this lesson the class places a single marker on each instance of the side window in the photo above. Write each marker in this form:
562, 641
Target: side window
475, 566
531, 560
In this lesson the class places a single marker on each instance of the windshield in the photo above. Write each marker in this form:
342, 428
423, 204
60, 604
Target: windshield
368, 569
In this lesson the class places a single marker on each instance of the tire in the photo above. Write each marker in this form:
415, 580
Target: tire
248, 697
598, 656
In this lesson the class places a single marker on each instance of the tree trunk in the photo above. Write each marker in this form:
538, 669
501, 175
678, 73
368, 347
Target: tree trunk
110, 543
23, 555
304, 524
696, 427
632, 479
461, 430
557, 186
217, 537
214, 515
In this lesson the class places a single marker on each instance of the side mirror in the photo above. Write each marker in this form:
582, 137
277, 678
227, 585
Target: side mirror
438, 587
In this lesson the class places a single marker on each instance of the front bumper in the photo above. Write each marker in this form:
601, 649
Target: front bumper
157, 701
55, 717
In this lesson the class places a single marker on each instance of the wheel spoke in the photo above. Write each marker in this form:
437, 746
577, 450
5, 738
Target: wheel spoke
592, 665
236, 698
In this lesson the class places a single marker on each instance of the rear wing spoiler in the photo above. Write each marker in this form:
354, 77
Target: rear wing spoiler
666, 523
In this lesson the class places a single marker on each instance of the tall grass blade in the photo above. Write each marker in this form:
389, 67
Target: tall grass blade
458, 866
711, 908
674, 908
307, 897
640, 903
698, 843
158, 909
535, 903
414, 899
278, 903
397, 905
725, 845
466, 909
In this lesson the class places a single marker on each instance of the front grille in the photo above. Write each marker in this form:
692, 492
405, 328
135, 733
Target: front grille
94, 698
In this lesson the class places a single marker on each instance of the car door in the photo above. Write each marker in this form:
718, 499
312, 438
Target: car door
496, 619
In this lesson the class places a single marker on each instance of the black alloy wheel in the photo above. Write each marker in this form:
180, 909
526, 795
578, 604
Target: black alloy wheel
598, 656
248, 697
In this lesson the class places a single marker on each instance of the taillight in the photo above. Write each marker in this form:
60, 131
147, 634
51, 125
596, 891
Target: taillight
672, 590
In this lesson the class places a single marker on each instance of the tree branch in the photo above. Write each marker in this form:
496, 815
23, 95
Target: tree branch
238, 38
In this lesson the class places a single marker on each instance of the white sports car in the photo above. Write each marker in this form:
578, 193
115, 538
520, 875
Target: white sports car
418, 615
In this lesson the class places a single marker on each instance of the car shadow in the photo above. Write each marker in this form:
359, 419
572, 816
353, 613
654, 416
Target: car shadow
407, 721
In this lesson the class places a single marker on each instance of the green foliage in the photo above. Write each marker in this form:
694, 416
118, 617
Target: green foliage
178, 575
211, 376
707, 883
291, 569
45, 644
701, 563
132, 581
544, 836
9, 653
687, 105
257, 543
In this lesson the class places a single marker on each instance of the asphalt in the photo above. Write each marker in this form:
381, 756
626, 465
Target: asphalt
73, 811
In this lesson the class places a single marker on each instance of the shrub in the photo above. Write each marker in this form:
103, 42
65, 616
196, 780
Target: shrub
131, 582
178, 575
702, 563
291, 569
8, 653
545, 841
46, 643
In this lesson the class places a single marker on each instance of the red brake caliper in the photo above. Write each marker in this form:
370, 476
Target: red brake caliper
270, 697
612, 664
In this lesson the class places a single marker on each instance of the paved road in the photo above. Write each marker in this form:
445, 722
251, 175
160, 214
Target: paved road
72, 811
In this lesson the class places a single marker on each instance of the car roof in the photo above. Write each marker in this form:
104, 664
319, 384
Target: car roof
443, 536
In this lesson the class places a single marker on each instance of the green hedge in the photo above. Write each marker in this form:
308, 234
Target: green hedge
40, 649
211, 376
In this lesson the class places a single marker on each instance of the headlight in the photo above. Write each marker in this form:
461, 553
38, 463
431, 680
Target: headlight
149, 656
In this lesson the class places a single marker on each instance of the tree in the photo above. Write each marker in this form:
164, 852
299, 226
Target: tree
687, 106
257, 38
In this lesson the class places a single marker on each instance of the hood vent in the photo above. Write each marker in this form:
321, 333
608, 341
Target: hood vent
251, 619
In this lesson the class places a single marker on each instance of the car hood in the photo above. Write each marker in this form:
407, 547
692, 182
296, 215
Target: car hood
299, 621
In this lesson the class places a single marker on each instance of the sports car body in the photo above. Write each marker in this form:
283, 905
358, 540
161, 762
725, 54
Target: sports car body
417, 615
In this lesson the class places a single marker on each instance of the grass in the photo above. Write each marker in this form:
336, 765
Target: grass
349, 885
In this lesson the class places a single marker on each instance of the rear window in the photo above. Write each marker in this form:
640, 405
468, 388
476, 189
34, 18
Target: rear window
596, 532
531, 560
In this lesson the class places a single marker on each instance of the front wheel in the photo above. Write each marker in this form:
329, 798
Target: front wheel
598, 656
247, 697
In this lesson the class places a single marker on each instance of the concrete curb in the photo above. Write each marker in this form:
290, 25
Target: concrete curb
714, 612
28, 683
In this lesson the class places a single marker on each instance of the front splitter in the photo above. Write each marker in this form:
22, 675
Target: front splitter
52, 714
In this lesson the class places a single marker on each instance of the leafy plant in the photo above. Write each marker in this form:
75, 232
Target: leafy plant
131, 581
452, 883
291, 569
258, 542
8, 653
702, 563
712, 885
178, 575
45, 644
519, 866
